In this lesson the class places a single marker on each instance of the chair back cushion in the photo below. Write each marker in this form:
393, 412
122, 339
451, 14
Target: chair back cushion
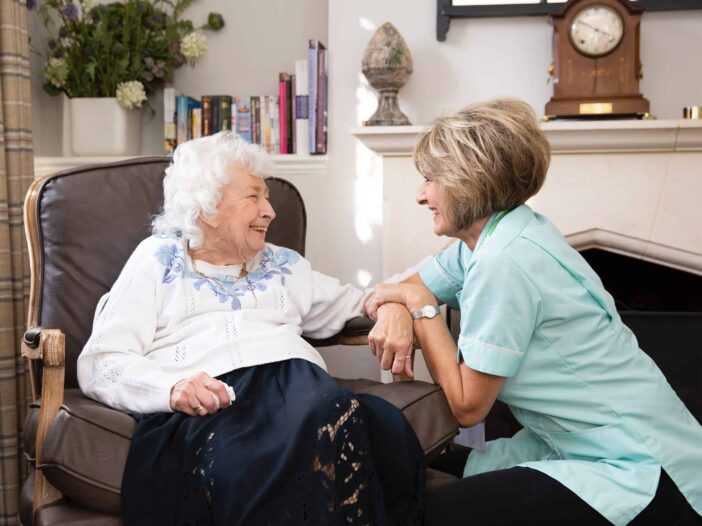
90, 219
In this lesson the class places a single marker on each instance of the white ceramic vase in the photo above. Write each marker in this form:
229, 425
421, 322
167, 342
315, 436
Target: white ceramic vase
100, 126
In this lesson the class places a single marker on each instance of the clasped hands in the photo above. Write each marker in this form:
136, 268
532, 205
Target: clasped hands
392, 338
199, 394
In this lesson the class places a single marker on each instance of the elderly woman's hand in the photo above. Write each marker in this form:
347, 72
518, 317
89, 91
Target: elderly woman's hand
198, 395
392, 337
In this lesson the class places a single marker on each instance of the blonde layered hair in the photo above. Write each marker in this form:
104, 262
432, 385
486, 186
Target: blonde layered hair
487, 157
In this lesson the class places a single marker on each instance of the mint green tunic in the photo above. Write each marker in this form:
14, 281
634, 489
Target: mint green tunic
597, 413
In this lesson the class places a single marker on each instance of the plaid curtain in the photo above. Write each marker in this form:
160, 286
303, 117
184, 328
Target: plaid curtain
16, 173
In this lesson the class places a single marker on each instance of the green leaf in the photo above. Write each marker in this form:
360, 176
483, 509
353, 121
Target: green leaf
90, 71
51, 89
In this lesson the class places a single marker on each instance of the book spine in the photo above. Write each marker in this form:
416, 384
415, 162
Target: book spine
216, 119
205, 102
289, 118
170, 140
256, 119
235, 116
275, 125
196, 123
321, 116
266, 123
193, 104
293, 112
301, 116
182, 119
312, 87
282, 114
243, 118
225, 110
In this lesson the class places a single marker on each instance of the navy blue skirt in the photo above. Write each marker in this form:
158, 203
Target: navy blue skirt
295, 448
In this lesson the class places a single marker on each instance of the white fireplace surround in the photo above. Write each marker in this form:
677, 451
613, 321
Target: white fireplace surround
629, 187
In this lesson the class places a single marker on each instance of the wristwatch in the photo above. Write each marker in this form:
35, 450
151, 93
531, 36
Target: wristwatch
428, 311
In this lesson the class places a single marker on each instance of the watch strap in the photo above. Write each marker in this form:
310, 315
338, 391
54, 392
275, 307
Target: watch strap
427, 311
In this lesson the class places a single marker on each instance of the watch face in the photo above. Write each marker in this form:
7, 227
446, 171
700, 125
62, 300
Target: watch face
596, 30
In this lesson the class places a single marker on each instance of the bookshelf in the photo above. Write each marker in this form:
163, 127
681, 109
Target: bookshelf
287, 166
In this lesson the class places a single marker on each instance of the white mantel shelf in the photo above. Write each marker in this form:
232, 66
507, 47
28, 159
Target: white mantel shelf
286, 165
616, 136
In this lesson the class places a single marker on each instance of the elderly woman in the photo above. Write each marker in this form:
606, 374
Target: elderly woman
605, 439
200, 338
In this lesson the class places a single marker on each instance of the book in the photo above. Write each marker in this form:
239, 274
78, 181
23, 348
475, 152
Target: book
193, 106
275, 125
322, 91
184, 105
289, 118
243, 117
170, 138
225, 112
313, 48
196, 123
265, 123
215, 117
205, 103
293, 107
256, 119
301, 115
283, 111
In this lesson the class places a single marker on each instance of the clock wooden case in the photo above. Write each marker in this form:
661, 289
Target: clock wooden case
596, 66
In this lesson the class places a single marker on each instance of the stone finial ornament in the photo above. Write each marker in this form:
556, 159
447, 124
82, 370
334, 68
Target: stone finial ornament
387, 64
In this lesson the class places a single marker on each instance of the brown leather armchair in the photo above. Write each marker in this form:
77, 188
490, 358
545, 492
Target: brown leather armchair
81, 226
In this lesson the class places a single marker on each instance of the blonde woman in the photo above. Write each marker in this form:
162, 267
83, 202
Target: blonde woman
605, 439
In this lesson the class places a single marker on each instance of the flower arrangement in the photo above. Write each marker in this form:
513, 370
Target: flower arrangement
125, 49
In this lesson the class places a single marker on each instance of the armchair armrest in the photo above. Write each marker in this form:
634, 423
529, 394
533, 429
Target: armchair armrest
47, 345
355, 332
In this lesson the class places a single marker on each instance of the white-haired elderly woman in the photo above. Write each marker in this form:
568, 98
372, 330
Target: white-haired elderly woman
605, 439
200, 339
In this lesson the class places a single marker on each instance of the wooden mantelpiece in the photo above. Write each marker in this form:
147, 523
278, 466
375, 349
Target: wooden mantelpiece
628, 186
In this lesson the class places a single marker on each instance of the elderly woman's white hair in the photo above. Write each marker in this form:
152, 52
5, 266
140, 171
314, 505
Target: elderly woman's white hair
194, 180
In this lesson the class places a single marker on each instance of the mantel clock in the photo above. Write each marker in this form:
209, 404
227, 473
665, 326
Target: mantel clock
596, 66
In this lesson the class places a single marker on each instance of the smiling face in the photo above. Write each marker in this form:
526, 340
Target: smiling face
238, 230
432, 195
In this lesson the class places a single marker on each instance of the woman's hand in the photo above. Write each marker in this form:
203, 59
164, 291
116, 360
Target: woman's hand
392, 337
198, 395
410, 295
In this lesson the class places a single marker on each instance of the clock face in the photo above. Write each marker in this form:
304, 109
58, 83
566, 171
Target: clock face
596, 30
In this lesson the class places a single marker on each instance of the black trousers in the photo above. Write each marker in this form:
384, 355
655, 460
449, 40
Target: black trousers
527, 496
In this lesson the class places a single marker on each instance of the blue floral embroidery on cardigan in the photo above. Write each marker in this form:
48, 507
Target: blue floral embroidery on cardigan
226, 286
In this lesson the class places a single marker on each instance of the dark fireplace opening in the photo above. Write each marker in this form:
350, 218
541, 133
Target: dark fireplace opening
642, 286
663, 307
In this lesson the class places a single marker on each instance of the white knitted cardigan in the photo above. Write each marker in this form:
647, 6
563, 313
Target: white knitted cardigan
163, 321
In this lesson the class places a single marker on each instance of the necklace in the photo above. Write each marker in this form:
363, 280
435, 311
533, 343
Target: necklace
222, 285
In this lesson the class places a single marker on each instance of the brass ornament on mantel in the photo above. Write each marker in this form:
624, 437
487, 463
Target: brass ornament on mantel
387, 64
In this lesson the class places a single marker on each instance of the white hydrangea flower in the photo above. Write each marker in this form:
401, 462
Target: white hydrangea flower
193, 46
131, 94
56, 71
87, 5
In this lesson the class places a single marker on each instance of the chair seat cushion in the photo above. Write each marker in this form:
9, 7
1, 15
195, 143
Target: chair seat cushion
86, 446
85, 452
